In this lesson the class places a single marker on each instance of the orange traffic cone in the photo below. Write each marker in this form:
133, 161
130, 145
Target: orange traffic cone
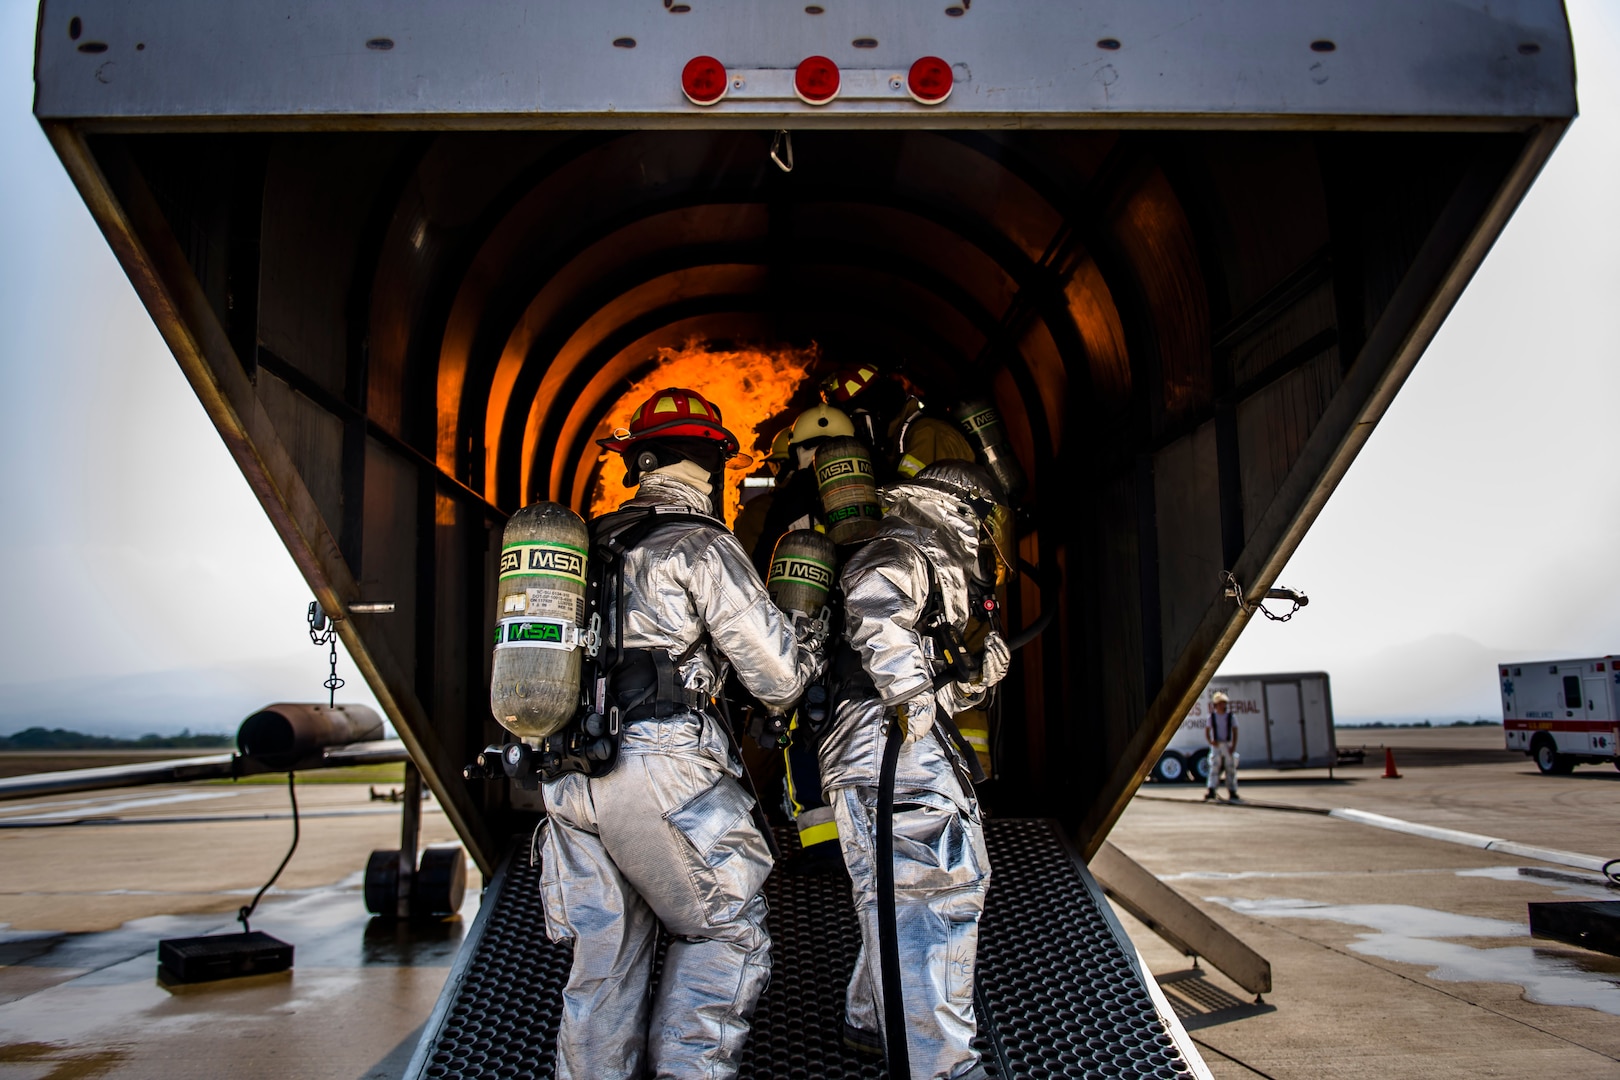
1389, 764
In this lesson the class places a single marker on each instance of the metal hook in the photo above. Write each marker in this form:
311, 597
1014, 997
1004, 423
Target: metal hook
782, 150
1234, 591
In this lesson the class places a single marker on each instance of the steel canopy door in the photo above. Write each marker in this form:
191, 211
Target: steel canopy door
408, 259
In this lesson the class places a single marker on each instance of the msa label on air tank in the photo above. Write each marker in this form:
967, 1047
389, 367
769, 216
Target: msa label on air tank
979, 421
860, 510
544, 560
846, 466
804, 570
534, 634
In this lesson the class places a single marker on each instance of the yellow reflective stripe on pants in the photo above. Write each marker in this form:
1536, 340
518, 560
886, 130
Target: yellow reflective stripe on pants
816, 825
817, 834
979, 739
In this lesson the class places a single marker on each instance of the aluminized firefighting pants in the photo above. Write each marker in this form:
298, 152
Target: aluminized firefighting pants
665, 837
941, 873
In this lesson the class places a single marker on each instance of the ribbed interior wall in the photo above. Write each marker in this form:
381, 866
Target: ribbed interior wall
437, 323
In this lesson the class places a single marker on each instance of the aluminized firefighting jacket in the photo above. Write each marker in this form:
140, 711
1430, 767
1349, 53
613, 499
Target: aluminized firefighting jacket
666, 836
941, 868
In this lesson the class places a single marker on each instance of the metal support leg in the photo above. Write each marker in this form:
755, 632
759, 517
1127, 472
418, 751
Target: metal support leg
410, 832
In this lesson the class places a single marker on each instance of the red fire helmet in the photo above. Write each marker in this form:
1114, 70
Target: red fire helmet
846, 383
670, 413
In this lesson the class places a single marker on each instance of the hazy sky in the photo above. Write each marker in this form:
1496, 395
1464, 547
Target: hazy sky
144, 589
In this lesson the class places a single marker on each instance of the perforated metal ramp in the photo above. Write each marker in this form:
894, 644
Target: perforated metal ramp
1060, 992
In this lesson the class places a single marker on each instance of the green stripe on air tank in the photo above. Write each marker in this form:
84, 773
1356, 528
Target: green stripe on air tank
979, 420
801, 568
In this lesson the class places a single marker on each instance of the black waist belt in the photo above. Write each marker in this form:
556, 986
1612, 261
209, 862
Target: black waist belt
645, 685
852, 682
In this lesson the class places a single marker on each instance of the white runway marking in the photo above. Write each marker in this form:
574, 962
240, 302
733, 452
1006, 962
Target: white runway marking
101, 808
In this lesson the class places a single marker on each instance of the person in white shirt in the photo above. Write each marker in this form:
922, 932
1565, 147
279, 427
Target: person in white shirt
1221, 732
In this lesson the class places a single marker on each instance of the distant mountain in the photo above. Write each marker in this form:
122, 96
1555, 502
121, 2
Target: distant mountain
38, 738
164, 702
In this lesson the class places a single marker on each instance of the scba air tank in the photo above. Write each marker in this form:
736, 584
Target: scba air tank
803, 569
984, 429
535, 688
848, 489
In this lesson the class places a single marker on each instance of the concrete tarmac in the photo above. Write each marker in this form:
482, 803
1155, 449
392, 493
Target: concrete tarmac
1392, 955
92, 882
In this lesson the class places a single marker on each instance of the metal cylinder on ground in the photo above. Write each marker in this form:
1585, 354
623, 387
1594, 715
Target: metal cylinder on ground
847, 485
534, 689
982, 424
803, 569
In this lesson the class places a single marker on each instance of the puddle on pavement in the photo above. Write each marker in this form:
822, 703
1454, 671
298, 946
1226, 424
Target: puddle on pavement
1246, 875
1569, 883
1575, 884
100, 989
60, 1062
1414, 935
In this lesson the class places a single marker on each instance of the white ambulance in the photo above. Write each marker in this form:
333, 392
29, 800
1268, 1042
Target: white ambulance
1562, 712
1284, 722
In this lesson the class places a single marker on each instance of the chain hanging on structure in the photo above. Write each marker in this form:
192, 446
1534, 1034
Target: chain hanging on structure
1234, 591
323, 631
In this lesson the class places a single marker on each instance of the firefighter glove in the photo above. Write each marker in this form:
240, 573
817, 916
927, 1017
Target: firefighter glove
811, 634
997, 658
917, 716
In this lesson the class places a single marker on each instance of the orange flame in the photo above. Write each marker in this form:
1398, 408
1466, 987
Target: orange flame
749, 386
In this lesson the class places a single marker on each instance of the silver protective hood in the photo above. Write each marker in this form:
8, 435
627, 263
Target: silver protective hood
944, 530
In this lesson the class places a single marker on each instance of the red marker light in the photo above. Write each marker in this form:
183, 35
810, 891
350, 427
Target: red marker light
703, 80
930, 81
816, 80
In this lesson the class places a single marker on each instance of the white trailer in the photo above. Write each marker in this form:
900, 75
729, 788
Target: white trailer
1284, 721
1562, 712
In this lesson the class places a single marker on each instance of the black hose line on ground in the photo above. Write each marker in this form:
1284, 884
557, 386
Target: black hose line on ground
894, 1007
243, 913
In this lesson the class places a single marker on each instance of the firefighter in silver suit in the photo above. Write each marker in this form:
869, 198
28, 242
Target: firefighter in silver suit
941, 531
666, 836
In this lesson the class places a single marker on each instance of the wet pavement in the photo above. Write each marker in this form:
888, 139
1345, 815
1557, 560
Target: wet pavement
79, 994
1393, 955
